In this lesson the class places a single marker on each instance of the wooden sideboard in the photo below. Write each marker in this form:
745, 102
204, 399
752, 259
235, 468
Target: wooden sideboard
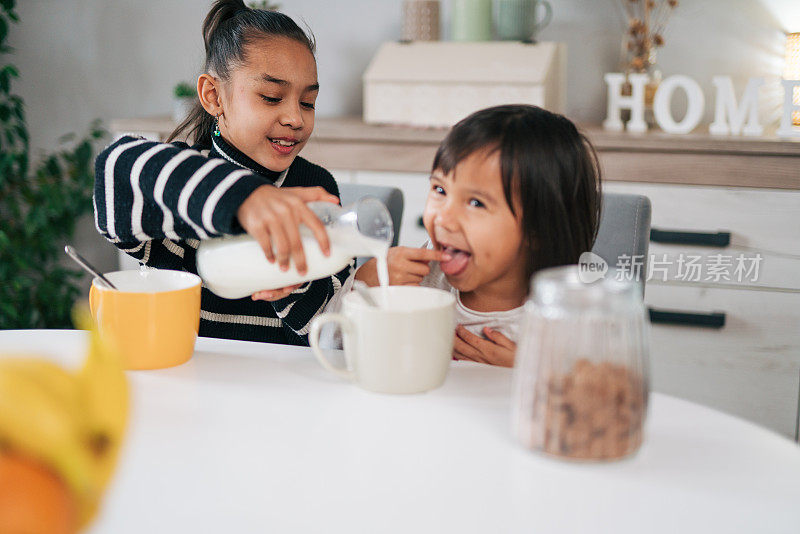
747, 188
654, 157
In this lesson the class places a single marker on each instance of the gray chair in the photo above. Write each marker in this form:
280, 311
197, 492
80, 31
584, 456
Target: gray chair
391, 197
624, 230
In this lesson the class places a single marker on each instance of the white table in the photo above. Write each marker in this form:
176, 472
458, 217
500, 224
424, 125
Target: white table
250, 437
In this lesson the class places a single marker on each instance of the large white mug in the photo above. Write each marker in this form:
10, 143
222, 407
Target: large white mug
403, 346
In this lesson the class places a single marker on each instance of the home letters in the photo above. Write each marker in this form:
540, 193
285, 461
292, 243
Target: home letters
732, 116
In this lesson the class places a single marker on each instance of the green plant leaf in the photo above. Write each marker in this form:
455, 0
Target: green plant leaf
39, 205
11, 70
22, 132
9, 312
184, 90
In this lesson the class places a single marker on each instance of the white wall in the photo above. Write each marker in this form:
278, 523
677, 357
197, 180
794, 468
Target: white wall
82, 59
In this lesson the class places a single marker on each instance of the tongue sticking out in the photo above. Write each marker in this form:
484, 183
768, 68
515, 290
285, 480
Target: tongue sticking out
456, 264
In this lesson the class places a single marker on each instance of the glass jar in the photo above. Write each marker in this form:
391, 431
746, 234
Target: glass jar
639, 56
581, 377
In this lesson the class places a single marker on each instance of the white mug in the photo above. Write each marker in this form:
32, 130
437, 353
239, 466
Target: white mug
403, 346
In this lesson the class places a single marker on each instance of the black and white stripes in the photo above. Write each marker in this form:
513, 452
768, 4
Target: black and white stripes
154, 201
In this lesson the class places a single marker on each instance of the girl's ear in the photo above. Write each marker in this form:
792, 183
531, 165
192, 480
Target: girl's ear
208, 89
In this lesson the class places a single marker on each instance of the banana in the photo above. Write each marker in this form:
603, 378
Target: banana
104, 390
74, 422
34, 421
51, 376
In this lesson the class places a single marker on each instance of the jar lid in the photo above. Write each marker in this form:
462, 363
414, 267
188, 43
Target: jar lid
563, 285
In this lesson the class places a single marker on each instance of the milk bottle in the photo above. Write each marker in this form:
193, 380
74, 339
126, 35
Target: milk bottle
234, 267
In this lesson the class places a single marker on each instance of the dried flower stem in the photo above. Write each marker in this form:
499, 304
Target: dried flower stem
646, 20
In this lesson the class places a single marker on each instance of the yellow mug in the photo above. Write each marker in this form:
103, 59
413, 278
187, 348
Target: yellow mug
153, 316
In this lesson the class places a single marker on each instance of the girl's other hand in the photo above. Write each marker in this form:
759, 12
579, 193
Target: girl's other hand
407, 266
271, 295
272, 216
496, 349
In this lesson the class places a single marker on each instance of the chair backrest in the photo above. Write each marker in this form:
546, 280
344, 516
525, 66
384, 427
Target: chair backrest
624, 230
391, 197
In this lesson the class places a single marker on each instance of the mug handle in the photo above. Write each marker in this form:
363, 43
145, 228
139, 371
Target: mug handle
548, 15
313, 340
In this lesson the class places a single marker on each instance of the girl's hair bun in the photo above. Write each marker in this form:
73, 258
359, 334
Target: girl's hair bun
221, 11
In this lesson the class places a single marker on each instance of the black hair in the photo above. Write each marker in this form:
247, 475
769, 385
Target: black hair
547, 166
227, 30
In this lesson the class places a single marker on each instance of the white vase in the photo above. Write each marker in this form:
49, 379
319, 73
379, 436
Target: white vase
181, 108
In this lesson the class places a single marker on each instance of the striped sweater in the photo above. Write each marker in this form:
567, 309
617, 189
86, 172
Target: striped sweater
155, 201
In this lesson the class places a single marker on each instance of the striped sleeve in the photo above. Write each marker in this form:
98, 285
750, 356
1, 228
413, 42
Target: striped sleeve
163, 254
148, 191
301, 306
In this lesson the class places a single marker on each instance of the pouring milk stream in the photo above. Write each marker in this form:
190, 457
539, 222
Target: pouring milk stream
235, 267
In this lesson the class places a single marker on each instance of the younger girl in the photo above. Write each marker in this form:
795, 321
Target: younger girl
514, 189
255, 113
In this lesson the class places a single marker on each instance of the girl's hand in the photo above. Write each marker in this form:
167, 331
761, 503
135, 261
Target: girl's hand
271, 295
497, 349
273, 215
407, 266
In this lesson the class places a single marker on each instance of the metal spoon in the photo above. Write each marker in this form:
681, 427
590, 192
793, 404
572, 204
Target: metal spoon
87, 266
361, 289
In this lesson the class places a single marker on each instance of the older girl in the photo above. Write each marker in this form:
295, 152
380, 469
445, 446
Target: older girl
254, 115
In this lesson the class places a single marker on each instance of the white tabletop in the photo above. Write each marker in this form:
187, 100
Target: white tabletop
250, 437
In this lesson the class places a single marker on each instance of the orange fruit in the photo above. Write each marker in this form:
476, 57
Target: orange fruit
33, 500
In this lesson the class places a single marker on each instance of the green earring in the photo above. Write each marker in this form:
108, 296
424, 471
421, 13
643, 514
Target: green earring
217, 133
